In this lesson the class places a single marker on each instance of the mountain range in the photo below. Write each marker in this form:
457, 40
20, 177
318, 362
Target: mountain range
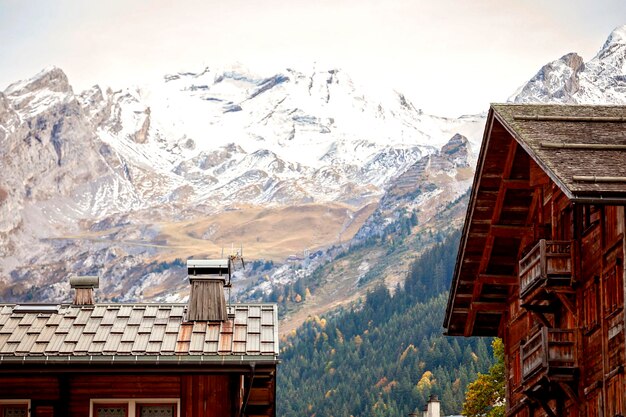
291, 165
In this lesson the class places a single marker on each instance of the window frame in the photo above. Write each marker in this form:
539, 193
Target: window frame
133, 404
139, 404
592, 305
16, 401
613, 289
113, 404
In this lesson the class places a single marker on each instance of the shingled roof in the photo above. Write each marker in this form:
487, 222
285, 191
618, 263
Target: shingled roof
582, 148
135, 332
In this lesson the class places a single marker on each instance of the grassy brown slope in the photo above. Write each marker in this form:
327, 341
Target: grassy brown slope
271, 233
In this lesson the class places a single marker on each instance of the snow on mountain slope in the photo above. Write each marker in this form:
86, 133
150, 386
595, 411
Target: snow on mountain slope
290, 126
569, 80
115, 165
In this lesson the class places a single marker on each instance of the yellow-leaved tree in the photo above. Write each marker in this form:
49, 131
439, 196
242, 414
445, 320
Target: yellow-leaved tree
485, 397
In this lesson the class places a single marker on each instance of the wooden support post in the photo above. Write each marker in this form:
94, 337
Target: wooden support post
469, 324
569, 391
542, 318
571, 307
546, 407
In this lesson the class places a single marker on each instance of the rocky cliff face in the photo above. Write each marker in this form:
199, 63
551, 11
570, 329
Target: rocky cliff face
425, 187
569, 80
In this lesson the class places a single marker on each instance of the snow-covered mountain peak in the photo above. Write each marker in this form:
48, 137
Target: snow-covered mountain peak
50, 78
569, 80
612, 56
39, 93
617, 37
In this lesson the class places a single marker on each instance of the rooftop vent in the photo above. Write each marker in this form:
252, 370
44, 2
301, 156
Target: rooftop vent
84, 286
36, 308
207, 279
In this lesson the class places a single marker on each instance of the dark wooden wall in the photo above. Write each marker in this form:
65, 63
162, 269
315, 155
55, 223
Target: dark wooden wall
598, 233
201, 395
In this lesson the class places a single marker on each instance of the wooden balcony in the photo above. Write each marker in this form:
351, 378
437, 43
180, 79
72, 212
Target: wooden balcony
549, 354
548, 266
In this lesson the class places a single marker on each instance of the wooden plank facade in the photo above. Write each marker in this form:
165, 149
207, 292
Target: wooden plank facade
77, 393
541, 262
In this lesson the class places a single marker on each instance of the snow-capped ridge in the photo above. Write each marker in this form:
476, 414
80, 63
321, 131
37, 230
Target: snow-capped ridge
51, 78
569, 80
617, 37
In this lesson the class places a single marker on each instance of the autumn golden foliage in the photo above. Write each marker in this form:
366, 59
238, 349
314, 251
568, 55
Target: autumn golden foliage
485, 397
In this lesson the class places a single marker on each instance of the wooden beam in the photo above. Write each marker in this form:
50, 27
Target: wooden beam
463, 295
535, 308
542, 318
570, 392
485, 306
567, 303
484, 260
516, 184
478, 288
510, 231
533, 205
506, 173
469, 324
546, 407
493, 279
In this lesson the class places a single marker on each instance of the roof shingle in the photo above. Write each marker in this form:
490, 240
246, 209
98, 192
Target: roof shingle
136, 329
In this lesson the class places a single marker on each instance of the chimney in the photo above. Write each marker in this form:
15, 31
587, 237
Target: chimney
433, 407
207, 278
84, 286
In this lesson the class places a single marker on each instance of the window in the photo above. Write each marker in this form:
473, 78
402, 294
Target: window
591, 217
134, 408
153, 410
111, 410
14, 408
591, 309
613, 288
615, 393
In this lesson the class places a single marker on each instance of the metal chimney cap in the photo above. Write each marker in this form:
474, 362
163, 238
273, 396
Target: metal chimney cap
85, 281
433, 398
207, 263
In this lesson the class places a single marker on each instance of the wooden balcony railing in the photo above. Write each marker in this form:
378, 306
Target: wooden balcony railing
548, 263
550, 352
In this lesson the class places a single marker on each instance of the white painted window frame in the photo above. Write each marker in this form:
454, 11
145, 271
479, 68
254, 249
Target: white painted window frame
18, 402
132, 403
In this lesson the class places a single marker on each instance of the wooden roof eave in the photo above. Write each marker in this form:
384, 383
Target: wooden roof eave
588, 198
568, 193
468, 217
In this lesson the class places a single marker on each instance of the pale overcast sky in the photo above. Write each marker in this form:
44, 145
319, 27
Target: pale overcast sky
449, 56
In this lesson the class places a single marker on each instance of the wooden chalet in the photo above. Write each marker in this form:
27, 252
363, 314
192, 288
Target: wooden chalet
137, 360
541, 258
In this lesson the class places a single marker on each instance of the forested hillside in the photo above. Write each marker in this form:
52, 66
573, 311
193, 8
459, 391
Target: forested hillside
385, 356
